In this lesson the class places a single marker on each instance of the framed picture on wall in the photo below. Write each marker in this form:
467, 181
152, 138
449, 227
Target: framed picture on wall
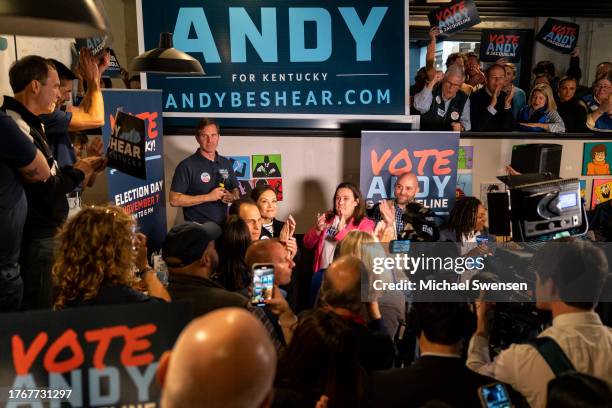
465, 158
241, 166
275, 183
464, 185
267, 166
596, 159
583, 195
601, 192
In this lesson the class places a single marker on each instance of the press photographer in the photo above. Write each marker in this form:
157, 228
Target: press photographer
577, 339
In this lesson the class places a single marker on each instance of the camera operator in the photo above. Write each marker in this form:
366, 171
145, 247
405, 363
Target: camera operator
580, 341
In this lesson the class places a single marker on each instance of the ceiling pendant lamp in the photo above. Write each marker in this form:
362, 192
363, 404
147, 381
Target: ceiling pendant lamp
166, 60
66, 18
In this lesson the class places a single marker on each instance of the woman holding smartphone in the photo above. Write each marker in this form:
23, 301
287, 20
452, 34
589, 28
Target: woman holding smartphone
331, 227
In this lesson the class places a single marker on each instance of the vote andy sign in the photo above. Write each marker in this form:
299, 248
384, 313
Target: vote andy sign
501, 43
559, 35
432, 156
98, 45
454, 17
87, 357
279, 59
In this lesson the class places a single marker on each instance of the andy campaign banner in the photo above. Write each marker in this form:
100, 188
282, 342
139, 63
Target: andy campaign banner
145, 198
98, 45
86, 357
502, 43
431, 156
559, 35
278, 59
454, 17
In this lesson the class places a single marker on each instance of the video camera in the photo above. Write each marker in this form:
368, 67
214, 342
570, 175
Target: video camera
538, 207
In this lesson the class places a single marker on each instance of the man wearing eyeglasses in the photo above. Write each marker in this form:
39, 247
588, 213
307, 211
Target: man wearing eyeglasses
204, 183
442, 104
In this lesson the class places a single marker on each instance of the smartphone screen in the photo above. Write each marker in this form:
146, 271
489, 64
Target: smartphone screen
263, 283
398, 246
494, 396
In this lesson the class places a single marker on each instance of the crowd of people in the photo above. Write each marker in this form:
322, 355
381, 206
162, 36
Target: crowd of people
341, 349
466, 98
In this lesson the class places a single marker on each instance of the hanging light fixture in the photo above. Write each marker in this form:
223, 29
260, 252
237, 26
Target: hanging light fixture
66, 18
166, 60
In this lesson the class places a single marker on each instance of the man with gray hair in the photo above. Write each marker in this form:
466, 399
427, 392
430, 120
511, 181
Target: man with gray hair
443, 105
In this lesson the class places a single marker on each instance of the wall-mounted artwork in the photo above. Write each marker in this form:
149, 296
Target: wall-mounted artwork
602, 192
596, 159
465, 158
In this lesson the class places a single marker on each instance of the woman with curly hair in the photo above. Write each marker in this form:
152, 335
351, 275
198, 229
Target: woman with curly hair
467, 226
97, 255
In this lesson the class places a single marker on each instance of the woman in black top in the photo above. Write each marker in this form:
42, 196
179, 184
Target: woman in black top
265, 198
98, 254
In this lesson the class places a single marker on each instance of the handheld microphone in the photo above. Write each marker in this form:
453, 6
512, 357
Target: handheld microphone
224, 177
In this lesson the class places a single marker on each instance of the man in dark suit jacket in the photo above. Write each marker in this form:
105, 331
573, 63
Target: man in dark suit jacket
440, 373
490, 107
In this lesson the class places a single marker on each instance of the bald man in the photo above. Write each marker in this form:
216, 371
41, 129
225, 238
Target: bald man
341, 292
406, 188
224, 359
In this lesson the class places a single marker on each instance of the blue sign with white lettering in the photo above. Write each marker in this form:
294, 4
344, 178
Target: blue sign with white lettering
145, 199
276, 59
431, 156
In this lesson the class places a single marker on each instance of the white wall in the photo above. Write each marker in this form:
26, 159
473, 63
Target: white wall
58, 48
312, 168
7, 57
492, 155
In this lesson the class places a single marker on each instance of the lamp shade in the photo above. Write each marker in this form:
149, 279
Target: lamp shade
66, 18
166, 60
